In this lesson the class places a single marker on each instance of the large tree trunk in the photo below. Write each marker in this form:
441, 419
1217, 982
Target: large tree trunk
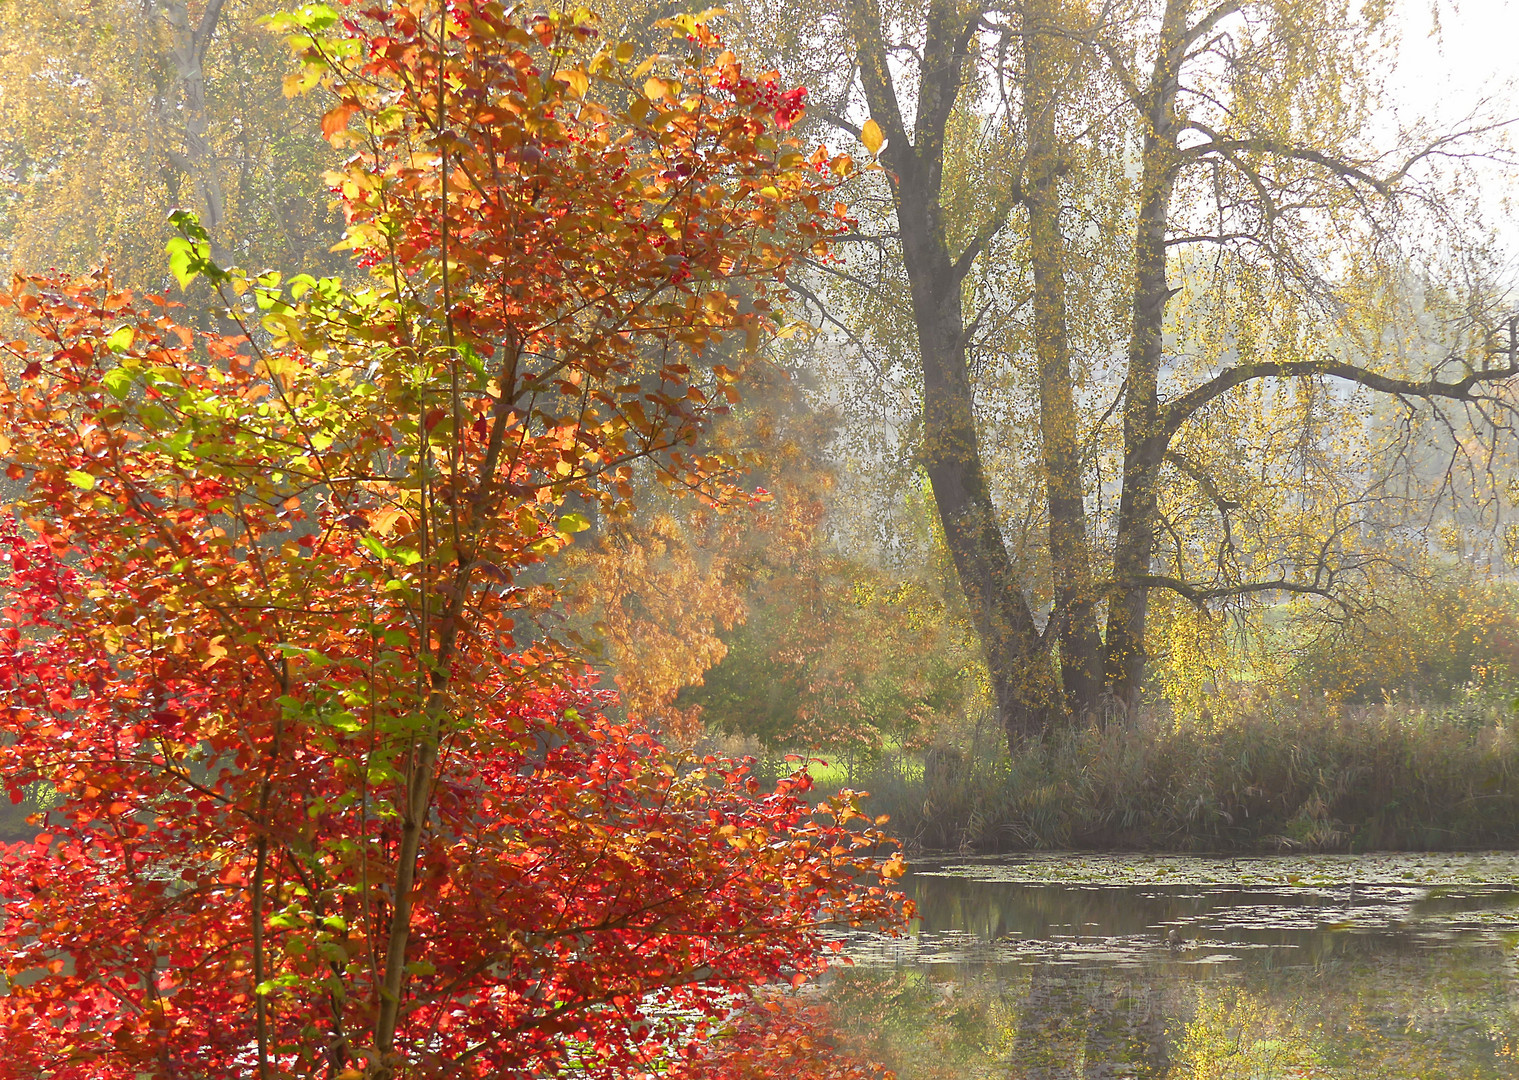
1027, 700
1046, 70
1143, 439
1016, 657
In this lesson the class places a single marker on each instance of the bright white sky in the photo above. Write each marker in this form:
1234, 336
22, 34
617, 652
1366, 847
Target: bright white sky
1443, 75
1475, 51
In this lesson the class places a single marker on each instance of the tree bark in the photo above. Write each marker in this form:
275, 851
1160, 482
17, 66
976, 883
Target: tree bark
1027, 699
195, 156
1080, 643
1144, 440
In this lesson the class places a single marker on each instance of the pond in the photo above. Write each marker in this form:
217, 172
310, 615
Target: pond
1179, 967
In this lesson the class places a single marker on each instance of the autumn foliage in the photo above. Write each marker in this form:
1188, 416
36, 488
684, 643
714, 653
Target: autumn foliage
331, 796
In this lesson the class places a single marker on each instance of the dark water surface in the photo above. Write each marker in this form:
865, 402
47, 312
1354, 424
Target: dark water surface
1054, 966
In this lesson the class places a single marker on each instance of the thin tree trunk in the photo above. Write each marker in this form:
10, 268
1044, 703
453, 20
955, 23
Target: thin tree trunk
1081, 663
1143, 439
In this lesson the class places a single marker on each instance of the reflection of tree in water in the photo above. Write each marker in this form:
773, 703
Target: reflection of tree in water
1300, 926
992, 910
1088, 1028
1379, 980
1443, 1014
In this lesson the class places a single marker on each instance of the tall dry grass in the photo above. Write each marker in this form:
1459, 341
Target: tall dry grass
1309, 778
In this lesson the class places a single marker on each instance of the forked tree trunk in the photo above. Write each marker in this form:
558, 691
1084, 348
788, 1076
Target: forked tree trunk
1144, 441
1022, 680
1097, 670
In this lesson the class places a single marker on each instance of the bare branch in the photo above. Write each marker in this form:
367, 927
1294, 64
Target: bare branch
1177, 411
1200, 596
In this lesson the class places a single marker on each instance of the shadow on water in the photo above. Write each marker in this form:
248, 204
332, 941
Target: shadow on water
1182, 967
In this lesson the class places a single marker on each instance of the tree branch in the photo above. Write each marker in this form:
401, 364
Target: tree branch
875, 75
1218, 144
1200, 596
988, 230
207, 28
1175, 413
944, 51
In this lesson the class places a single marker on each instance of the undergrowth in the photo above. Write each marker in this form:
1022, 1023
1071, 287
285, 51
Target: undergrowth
1392, 777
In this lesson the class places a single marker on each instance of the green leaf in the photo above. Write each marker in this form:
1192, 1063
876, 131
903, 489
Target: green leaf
190, 254
472, 358
374, 547
188, 223
81, 479
343, 721
182, 261
118, 383
120, 339
311, 656
573, 523
315, 17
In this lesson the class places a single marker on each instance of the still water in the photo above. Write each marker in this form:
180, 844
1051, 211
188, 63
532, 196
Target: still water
1379, 967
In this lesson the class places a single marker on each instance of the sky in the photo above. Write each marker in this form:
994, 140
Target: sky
1443, 76
1475, 51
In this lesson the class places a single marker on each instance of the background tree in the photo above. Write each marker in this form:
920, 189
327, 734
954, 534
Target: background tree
1242, 244
123, 111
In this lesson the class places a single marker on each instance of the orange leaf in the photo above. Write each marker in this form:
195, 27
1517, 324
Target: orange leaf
336, 120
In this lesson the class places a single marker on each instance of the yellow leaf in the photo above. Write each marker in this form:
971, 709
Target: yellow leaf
578, 81
298, 82
871, 136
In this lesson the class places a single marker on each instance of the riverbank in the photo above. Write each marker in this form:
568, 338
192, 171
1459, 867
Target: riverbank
1379, 778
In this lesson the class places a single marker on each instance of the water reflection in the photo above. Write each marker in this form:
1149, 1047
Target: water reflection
1380, 968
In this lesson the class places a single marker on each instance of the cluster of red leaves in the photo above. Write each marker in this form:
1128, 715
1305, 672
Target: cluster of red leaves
328, 798
582, 899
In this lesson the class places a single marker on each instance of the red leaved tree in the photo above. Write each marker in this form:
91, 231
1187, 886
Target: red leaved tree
331, 798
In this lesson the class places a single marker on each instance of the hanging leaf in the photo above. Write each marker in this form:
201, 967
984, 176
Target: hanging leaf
872, 137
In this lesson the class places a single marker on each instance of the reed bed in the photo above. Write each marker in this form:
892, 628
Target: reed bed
1392, 777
